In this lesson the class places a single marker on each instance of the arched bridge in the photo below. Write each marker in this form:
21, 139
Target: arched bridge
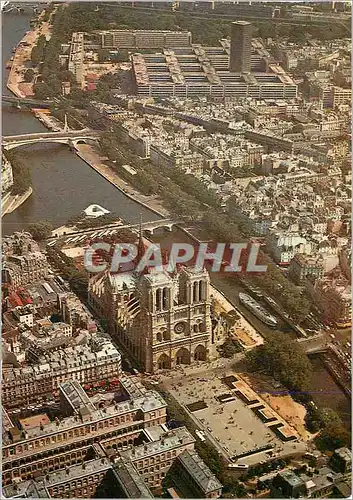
27, 101
316, 344
109, 230
150, 227
15, 141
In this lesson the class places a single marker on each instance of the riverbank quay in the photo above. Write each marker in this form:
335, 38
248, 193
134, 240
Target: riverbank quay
22, 55
10, 202
94, 160
48, 120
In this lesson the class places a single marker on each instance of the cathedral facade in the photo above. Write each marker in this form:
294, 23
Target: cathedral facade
160, 319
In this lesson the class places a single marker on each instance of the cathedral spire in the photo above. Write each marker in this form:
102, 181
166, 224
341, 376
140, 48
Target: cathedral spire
141, 246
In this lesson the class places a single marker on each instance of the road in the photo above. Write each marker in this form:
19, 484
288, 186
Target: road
231, 17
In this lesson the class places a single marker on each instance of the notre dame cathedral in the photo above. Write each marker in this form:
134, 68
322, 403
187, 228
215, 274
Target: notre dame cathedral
160, 319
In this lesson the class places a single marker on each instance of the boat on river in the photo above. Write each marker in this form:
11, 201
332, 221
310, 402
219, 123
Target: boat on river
257, 309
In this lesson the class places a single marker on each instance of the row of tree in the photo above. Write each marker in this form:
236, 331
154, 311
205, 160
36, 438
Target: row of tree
284, 360
332, 434
188, 197
78, 279
37, 54
22, 179
154, 181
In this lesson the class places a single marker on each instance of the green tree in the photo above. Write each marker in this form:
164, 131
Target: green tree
103, 55
333, 436
29, 75
21, 173
123, 55
36, 55
284, 359
230, 347
40, 230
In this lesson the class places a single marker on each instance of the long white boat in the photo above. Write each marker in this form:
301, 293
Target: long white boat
257, 309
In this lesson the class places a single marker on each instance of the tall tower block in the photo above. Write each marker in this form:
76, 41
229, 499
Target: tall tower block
240, 47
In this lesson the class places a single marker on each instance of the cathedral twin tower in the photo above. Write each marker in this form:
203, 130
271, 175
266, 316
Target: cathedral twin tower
161, 320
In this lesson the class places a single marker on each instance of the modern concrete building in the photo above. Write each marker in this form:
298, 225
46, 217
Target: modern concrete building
190, 72
240, 47
144, 39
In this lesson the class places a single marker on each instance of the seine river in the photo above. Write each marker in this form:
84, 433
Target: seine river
63, 185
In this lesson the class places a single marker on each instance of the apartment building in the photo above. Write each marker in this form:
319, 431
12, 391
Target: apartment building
75, 313
67, 441
154, 459
341, 96
333, 296
6, 175
76, 57
144, 39
304, 266
88, 363
21, 270
284, 245
193, 477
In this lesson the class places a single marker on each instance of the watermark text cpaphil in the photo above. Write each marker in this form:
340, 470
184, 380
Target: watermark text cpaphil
218, 257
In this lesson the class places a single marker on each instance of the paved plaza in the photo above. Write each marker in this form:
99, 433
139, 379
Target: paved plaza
231, 426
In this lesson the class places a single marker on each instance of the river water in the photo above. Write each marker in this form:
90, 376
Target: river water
63, 185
